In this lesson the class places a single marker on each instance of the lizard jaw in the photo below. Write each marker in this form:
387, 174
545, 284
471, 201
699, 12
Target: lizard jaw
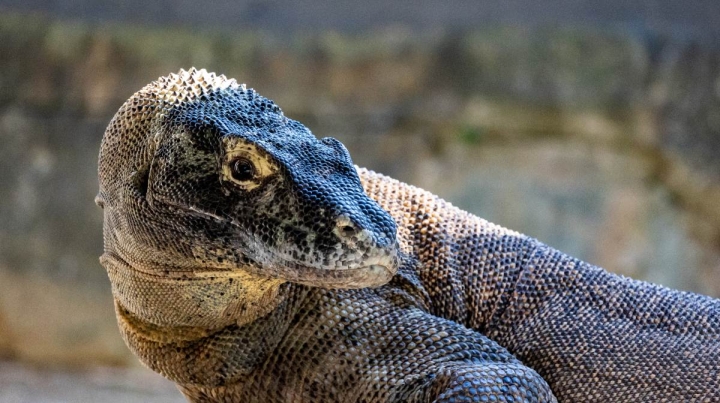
361, 277
374, 275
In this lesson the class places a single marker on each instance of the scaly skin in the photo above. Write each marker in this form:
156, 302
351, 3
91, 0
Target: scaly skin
251, 262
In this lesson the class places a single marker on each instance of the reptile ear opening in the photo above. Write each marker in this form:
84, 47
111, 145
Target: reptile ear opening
140, 181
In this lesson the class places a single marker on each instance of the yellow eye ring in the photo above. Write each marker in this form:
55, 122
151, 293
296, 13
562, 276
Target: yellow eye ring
246, 166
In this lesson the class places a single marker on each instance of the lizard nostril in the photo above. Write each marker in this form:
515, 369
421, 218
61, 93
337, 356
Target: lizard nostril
346, 228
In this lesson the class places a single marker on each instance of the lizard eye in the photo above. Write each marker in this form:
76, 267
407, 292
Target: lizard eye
245, 165
242, 169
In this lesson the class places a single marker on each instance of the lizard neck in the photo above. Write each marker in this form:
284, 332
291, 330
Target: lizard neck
238, 348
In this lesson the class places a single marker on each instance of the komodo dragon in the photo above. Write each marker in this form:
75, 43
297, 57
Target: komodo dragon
251, 262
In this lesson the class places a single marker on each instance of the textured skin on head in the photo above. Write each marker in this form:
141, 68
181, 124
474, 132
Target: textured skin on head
174, 208
248, 288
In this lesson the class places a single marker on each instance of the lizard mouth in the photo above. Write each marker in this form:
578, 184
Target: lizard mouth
361, 277
373, 275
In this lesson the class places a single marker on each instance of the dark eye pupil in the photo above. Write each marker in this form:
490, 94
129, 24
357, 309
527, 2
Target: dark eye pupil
242, 170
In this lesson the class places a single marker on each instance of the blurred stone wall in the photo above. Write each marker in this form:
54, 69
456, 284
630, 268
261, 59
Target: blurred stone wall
602, 144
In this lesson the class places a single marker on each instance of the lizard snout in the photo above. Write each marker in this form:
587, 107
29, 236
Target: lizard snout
351, 232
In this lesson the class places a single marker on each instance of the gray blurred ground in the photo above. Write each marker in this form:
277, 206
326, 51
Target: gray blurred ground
26, 384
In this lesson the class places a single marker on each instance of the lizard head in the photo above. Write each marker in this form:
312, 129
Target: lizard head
202, 177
